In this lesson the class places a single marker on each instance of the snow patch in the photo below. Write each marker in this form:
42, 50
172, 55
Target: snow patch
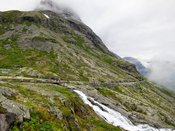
113, 117
46, 16
60, 9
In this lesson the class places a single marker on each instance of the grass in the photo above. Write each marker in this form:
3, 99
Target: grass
106, 92
38, 122
2, 30
102, 126
79, 41
47, 64
10, 14
75, 39
42, 38
14, 57
2, 110
72, 97
40, 119
24, 30
167, 91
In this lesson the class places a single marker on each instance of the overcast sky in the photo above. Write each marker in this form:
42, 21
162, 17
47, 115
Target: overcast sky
144, 29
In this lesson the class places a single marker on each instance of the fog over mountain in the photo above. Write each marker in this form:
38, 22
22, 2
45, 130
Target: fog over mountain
140, 29
139, 66
163, 71
63, 9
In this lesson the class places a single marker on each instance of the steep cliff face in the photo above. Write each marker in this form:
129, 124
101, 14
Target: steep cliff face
40, 49
139, 66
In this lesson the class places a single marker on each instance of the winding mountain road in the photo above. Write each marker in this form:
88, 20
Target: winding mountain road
56, 81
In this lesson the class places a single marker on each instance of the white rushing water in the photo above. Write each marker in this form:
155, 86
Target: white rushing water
46, 16
113, 117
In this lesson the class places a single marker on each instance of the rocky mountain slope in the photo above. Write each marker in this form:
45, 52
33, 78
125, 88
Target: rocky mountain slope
45, 56
139, 66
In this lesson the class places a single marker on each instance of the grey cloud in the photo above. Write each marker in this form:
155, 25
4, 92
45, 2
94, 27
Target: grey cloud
163, 71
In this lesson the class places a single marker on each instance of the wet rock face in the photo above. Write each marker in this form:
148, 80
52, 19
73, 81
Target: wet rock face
6, 120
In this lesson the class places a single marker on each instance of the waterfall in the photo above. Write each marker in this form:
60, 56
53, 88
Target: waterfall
113, 117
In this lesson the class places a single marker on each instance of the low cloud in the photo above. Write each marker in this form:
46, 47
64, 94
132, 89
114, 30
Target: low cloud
163, 71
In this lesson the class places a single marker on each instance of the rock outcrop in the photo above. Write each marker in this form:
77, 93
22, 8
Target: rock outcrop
6, 120
139, 66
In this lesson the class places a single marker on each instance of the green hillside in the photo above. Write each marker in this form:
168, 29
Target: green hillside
55, 48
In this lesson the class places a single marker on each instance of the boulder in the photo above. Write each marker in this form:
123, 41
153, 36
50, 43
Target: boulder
57, 112
6, 120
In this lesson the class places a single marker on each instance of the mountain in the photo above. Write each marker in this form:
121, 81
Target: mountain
153, 71
61, 10
50, 64
139, 66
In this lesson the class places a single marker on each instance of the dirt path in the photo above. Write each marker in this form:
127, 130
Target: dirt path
29, 79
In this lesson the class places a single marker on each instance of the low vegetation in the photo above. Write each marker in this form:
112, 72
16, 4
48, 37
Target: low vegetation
56, 49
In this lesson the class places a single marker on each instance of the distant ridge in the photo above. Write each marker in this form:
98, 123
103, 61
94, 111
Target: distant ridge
139, 66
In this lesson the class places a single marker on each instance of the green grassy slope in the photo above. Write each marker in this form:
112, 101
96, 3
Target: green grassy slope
57, 48
53, 108
70, 55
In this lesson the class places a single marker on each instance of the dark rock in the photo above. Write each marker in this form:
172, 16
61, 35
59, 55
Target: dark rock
77, 124
131, 69
96, 104
6, 120
7, 92
139, 66
56, 112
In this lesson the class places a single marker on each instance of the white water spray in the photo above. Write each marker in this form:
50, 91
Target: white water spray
113, 117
